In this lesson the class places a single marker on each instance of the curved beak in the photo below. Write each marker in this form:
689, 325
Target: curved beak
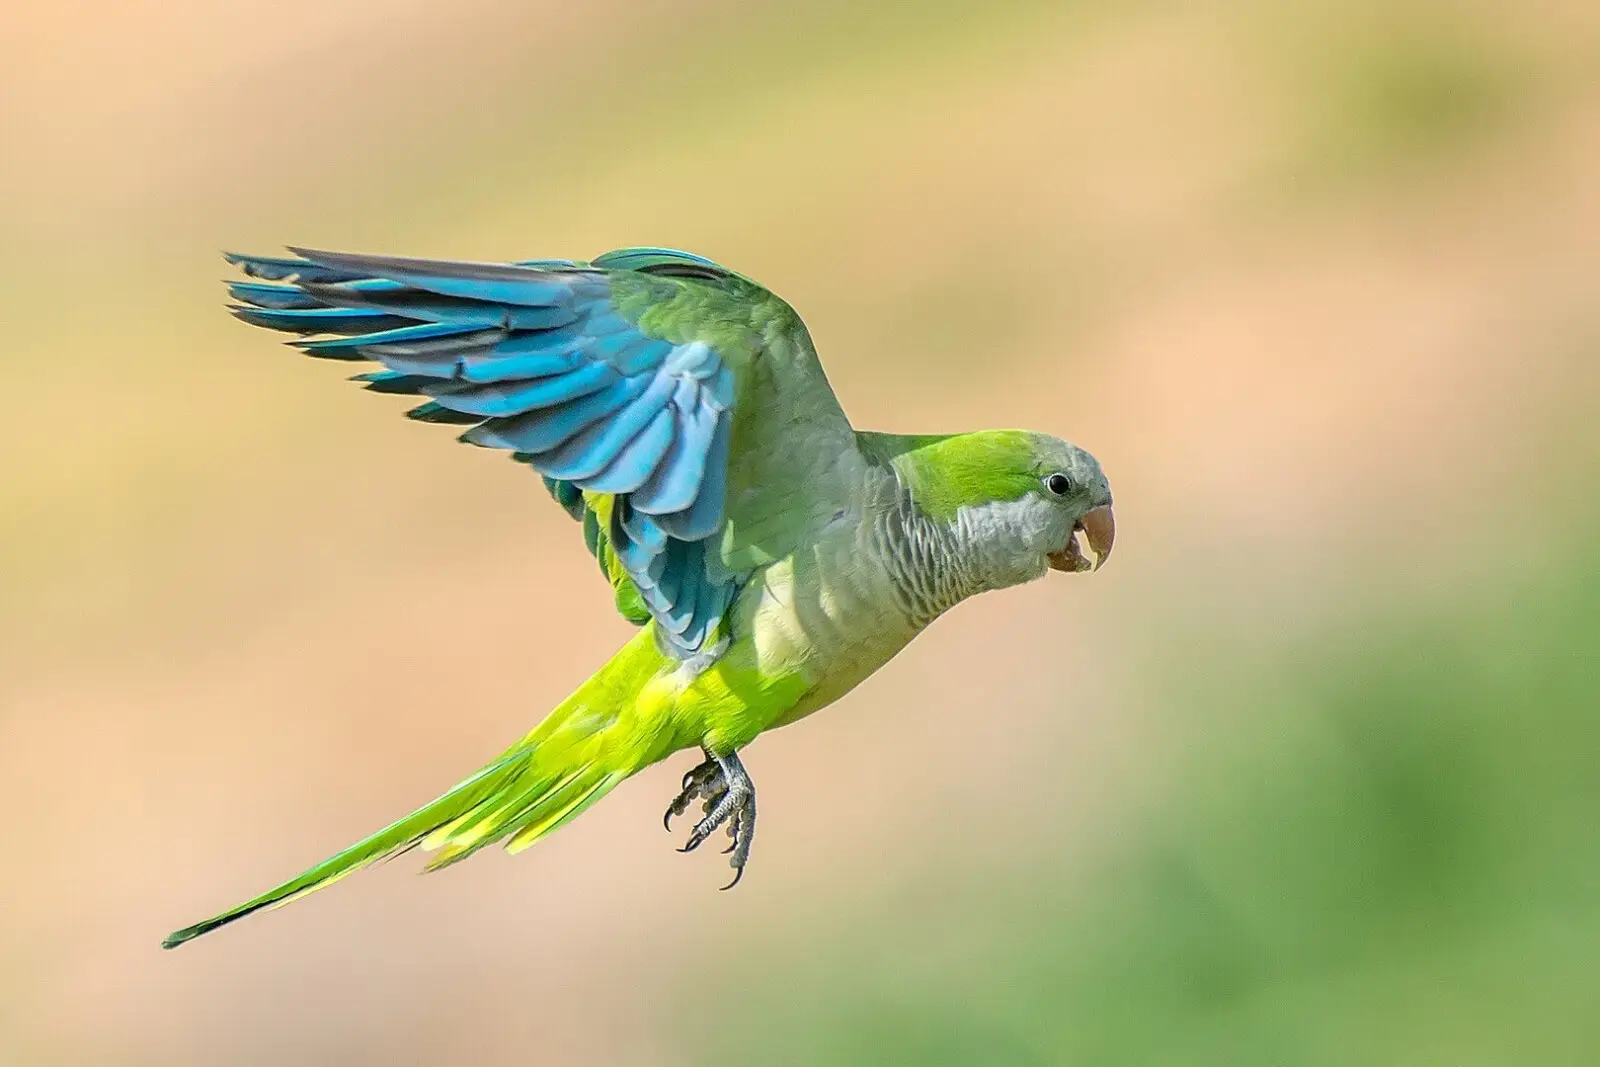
1099, 528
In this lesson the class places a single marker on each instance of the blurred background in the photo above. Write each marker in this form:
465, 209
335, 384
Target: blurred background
1306, 776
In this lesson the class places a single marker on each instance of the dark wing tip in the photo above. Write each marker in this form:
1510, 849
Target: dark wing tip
410, 267
313, 254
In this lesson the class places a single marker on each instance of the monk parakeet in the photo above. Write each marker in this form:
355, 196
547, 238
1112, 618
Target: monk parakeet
772, 555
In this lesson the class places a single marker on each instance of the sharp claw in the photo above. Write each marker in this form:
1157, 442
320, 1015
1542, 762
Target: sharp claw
700, 782
727, 800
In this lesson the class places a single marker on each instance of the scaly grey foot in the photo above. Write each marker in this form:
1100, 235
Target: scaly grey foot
729, 797
702, 783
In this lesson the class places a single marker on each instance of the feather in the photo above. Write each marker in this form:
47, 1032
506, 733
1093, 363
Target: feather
590, 452
676, 481
540, 431
319, 319
694, 360
638, 459
691, 579
539, 358
389, 381
494, 366
433, 411
432, 307
639, 355
704, 517
263, 295
277, 269
504, 399
401, 341
500, 283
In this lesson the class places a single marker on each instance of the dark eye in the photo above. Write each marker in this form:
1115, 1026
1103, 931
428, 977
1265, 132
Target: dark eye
1059, 484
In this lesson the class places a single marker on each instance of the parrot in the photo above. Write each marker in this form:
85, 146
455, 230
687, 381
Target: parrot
771, 556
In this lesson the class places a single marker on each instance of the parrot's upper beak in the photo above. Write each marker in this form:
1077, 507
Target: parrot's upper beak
1099, 528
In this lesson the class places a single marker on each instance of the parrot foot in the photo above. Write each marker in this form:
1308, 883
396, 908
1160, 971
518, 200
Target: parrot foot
728, 799
702, 783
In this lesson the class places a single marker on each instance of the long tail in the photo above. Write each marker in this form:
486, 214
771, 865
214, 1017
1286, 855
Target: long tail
594, 740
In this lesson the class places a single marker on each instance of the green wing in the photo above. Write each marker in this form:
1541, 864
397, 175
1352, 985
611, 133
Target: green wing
675, 407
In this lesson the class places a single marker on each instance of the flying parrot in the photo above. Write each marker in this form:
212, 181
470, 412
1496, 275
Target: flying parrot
772, 555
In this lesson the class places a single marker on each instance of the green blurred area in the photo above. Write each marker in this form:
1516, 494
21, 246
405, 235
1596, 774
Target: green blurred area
1381, 851
1305, 776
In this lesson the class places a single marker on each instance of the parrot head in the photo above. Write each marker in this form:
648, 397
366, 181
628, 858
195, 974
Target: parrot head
1017, 501
1077, 498
1047, 495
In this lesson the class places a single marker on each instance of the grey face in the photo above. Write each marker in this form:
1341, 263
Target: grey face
1072, 478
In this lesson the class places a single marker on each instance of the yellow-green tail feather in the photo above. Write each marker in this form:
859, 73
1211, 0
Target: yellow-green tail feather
577, 755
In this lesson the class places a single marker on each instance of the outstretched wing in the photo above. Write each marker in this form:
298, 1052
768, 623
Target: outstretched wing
636, 384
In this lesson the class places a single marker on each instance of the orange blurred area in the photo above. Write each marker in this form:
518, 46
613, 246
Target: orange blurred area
1315, 284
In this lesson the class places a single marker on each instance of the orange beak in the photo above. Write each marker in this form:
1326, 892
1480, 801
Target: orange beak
1099, 528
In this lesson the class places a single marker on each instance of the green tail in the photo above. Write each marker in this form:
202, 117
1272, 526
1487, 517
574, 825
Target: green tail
569, 761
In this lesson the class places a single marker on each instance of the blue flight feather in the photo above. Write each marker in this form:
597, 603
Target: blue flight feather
504, 399
540, 431
704, 517
540, 361
432, 307
677, 480
404, 335
433, 411
389, 381
319, 319
264, 295
535, 292
590, 452
638, 459
491, 366
277, 269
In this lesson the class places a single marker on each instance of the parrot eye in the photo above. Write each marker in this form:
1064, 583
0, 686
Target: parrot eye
1059, 484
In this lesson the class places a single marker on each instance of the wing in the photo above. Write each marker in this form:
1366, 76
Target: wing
675, 407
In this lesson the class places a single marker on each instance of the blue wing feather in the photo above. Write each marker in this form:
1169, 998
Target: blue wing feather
635, 461
395, 339
266, 295
539, 432
675, 484
320, 319
433, 411
389, 381
703, 517
535, 358
501, 399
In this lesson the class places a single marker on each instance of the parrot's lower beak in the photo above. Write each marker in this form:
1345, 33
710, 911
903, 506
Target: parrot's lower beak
1099, 528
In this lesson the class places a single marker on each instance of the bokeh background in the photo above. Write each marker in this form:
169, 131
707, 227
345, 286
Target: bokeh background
1308, 775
